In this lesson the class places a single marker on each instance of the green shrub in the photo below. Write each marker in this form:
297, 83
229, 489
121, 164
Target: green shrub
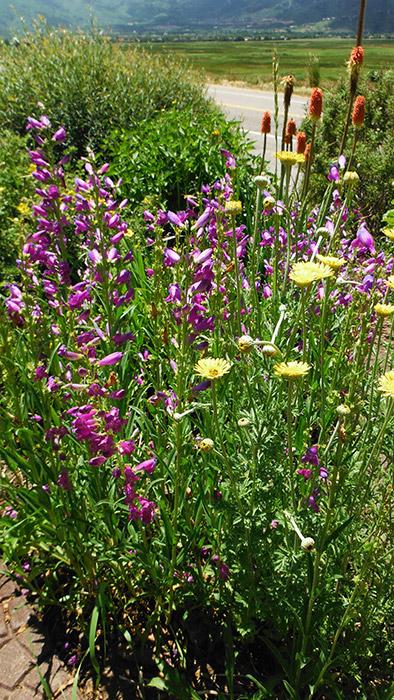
15, 189
173, 154
374, 152
89, 84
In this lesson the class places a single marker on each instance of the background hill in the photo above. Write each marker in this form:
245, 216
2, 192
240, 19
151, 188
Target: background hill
128, 15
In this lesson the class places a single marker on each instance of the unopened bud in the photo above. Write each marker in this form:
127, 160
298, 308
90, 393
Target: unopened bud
308, 544
233, 207
269, 203
206, 445
245, 343
262, 181
351, 179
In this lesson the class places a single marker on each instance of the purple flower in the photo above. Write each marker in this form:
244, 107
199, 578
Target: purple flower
73, 660
147, 466
224, 571
64, 480
333, 175
97, 461
59, 135
171, 258
126, 447
174, 218
310, 456
112, 359
306, 473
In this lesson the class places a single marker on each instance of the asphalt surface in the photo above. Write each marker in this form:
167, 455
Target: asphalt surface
247, 106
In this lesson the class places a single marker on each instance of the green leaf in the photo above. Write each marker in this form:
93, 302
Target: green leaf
333, 536
92, 639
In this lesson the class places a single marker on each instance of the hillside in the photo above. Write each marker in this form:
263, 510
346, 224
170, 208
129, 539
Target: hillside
129, 15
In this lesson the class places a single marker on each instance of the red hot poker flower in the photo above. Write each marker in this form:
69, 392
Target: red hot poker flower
316, 104
359, 112
291, 128
301, 142
356, 56
266, 123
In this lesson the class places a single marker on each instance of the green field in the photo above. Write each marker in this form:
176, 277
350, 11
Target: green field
250, 61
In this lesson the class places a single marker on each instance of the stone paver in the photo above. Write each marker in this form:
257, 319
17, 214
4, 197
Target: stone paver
24, 650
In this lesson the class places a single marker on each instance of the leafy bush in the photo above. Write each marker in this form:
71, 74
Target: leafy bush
374, 155
197, 429
89, 84
16, 188
173, 154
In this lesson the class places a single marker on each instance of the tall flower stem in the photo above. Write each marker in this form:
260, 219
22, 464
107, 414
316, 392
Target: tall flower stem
276, 261
263, 152
319, 553
237, 277
375, 369
310, 160
255, 257
275, 70
290, 441
304, 334
322, 343
353, 82
337, 225
219, 433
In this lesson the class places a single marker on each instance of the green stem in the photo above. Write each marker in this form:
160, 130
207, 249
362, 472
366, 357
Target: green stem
290, 441
237, 277
310, 160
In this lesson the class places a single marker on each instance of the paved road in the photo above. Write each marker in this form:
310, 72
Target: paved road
247, 105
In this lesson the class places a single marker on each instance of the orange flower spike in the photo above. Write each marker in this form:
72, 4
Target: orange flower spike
291, 128
359, 112
307, 152
354, 64
266, 123
301, 142
356, 56
316, 104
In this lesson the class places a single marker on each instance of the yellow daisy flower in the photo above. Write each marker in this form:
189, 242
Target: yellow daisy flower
384, 309
390, 281
389, 232
386, 384
212, 367
331, 261
290, 158
304, 273
291, 370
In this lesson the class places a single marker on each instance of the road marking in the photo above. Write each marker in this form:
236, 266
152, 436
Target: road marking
242, 107
263, 95
251, 109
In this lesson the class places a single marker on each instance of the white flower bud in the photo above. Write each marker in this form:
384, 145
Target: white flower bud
308, 544
245, 343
